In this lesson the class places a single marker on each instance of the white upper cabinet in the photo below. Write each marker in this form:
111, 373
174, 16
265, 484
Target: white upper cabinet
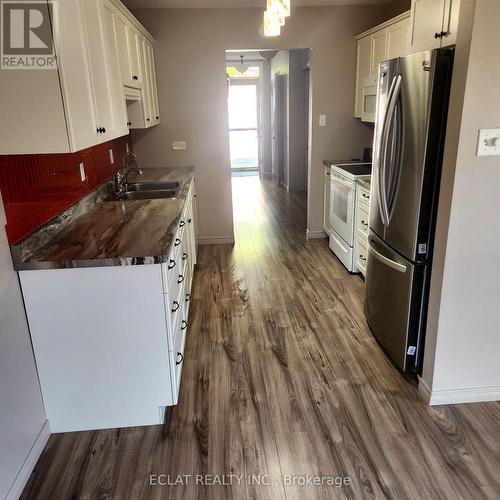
433, 24
81, 103
383, 42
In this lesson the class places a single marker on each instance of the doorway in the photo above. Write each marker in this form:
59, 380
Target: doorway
244, 130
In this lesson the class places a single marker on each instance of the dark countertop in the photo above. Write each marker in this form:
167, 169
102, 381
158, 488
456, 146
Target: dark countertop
109, 233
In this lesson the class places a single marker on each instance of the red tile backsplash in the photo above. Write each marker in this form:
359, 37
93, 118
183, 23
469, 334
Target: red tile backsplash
36, 188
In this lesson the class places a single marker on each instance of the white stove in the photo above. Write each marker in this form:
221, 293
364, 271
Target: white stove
344, 176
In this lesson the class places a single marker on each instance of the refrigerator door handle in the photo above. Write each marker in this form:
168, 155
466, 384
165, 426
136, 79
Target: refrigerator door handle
386, 127
392, 264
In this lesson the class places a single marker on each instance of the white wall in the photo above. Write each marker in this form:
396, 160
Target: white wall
462, 349
22, 415
190, 58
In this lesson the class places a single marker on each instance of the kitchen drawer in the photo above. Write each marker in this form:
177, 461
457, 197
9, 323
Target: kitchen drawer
171, 269
177, 355
361, 254
362, 220
363, 196
174, 303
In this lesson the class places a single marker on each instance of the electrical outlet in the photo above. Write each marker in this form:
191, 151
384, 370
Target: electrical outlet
322, 120
111, 157
83, 177
179, 145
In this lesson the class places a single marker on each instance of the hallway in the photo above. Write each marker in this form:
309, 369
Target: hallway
282, 379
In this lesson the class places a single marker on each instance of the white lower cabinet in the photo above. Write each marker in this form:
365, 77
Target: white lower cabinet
109, 341
362, 229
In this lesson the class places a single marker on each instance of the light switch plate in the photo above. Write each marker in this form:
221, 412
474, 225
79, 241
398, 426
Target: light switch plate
179, 145
489, 142
82, 172
322, 120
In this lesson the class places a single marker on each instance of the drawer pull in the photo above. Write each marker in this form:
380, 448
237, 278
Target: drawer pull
364, 223
176, 306
180, 360
366, 196
182, 223
362, 258
184, 325
184, 256
188, 297
171, 264
190, 220
181, 279
177, 242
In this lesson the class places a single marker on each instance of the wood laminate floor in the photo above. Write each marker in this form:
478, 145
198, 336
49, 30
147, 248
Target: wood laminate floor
282, 380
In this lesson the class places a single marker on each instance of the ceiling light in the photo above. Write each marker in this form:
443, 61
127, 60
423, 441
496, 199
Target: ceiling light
282, 7
272, 26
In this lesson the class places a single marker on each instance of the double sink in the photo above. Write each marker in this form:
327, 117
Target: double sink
146, 191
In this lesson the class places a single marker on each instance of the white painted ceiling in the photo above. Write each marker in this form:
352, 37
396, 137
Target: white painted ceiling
193, 4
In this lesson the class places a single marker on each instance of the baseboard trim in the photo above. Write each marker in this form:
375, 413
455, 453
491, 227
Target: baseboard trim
216, 240
457, 396
29, 464
315, 235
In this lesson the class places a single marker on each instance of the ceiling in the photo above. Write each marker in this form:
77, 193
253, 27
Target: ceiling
192, 4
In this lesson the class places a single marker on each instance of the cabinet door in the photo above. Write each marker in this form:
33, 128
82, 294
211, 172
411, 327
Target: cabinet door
108, 93
116, 89
134, 50
426, 21
147, 86
120, 29
75, 75
398, 38
362, 72
155, 109
379, 53
450, 22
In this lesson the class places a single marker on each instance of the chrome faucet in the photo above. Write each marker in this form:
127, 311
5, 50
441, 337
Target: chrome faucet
121, 177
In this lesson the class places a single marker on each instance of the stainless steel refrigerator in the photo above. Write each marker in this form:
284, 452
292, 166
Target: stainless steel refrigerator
410, 126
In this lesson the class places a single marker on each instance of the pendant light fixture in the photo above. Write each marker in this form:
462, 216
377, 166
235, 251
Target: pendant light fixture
274, 16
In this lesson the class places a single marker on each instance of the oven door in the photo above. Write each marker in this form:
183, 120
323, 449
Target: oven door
342, 192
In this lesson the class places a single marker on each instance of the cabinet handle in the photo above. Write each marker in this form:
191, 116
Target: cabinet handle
444, 33
364, 223
148, 119
177, 242
99, 130
181, 360
135, 77
171, 264
129, 124
184, 256
176, 306
157, 117
181, 279
182, 223
184, 325
190, 220
188, 297
362, 258
103, 130
365, 196
438, 35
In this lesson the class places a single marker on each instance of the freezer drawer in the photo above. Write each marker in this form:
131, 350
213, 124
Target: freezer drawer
393, 302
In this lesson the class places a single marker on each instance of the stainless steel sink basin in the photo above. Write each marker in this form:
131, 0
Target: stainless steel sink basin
142, 195
152, 186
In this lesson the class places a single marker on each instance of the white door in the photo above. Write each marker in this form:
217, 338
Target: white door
426, 25
134, 49
342, 207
